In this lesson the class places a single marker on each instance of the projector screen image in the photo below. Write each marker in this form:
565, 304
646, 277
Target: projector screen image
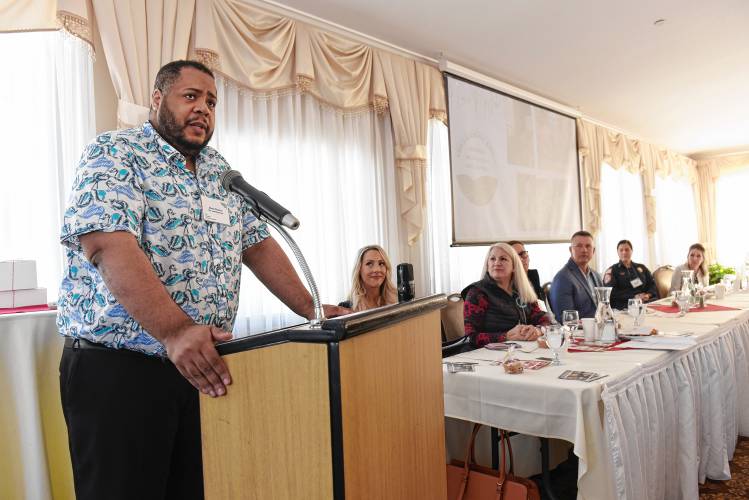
514, 168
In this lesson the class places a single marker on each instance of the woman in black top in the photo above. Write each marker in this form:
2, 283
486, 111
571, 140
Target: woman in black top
629, 280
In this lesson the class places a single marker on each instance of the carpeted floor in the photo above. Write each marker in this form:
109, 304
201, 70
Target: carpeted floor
564, 479
738, 485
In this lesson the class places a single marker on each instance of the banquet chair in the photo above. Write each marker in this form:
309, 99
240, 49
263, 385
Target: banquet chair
662, 277
547, 293
454, 338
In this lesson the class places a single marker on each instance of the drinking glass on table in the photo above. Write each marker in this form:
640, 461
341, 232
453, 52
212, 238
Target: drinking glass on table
682, 300
571, 319
636, 309
555, 339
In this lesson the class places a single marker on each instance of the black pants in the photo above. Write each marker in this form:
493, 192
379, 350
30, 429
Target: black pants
133, 426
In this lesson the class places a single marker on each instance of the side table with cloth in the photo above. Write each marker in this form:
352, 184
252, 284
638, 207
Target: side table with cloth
35, 461
655, 426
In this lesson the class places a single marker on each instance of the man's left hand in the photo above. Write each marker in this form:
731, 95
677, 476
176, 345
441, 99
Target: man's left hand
332, 311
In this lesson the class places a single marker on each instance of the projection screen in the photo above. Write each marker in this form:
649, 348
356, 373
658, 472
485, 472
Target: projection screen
514, 168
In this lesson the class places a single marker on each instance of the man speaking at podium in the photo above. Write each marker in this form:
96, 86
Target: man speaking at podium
154, 252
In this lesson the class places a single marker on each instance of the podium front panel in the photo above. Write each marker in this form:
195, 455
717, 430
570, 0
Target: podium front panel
269, 438
393, 412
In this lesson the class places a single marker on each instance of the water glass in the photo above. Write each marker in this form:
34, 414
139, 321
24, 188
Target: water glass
682, 300
571, 319
636, 309
555, 339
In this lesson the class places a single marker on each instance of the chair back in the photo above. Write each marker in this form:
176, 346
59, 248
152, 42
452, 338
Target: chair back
546, 287
662, 277
452, 318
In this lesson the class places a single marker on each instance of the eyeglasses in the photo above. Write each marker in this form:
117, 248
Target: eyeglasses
523, 254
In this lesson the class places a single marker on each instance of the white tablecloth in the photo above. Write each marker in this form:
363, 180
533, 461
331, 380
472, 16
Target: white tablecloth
34, 457
655, 426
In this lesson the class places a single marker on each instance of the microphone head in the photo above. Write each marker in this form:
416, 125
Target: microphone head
405, 273
227, 178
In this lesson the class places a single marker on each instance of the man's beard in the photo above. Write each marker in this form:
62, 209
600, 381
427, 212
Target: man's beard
175, 135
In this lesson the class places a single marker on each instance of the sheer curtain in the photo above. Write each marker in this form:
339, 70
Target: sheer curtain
451, 269
622, 217
48, 101
333, 170
676, 220
732, 228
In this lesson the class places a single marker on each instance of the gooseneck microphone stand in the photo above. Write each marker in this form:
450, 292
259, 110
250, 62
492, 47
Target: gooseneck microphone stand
315, 322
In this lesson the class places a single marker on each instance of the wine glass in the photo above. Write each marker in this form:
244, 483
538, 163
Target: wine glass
571, 319
555, 339
635, 309
682, 300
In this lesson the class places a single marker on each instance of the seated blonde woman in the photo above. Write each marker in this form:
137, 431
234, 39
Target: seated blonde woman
502, 305
371, 282
695, 262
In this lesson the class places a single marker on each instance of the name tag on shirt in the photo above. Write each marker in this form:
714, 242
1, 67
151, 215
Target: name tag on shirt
214, 210
636, 282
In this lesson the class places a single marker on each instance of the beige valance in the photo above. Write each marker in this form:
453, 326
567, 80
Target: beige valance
46, 15
597, 144
726, 164
268, 53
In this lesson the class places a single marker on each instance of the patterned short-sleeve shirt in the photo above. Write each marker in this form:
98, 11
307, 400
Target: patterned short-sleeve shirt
133, 180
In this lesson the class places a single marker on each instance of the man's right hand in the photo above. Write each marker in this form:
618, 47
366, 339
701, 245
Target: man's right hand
192, 351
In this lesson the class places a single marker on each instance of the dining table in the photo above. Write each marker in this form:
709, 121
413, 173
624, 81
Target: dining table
655, 425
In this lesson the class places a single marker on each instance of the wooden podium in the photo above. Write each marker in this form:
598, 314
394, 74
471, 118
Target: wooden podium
353, 410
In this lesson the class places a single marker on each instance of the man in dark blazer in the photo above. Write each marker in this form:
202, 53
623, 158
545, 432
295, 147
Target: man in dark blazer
532, 274
573, 286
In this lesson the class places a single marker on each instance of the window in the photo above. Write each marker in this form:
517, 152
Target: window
731, 227
333, 170
47, 99
622, 217
675, 220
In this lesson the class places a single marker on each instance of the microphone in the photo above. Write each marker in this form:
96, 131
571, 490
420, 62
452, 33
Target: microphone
406, 290
232, 180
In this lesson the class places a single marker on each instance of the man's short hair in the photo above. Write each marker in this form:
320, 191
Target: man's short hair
169, 73
515, 242
582, 233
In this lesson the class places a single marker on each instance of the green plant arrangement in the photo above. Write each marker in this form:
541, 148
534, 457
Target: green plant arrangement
717, 272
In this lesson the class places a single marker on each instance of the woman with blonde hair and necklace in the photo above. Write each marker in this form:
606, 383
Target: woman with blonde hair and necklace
371, 282
502, 305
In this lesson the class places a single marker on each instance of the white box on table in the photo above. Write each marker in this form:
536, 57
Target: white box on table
17, 275
23, 298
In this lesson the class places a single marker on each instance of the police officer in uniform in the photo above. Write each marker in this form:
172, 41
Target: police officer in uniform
628, 279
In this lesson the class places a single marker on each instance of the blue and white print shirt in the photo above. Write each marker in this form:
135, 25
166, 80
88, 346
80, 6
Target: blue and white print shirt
133, 180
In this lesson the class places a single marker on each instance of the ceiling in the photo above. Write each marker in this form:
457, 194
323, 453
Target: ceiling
683, 84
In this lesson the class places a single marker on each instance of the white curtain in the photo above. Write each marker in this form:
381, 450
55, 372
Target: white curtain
333, 170
676, 220
732, 229
622, 217
48, 101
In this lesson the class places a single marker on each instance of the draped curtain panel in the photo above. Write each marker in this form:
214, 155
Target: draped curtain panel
333, 170
46, 15
707, 173
597, 145
704, 190
268, 53
140, 36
